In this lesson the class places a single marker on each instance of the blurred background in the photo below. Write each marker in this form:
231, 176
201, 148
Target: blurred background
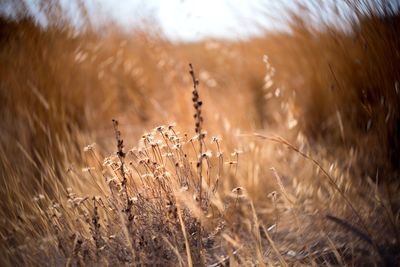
177, 20
324, 75
331, 70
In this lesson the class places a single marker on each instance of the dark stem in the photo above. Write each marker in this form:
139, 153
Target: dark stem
197, 103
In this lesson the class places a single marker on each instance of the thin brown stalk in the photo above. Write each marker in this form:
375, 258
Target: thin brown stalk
197, 103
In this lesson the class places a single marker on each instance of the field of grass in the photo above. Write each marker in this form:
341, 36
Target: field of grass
281, 150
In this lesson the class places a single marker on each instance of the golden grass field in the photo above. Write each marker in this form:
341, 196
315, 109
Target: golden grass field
280, 150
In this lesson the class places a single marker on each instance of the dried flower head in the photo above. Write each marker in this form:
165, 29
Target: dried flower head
89, 147
207, 154
88, 169
236, 152
215, 139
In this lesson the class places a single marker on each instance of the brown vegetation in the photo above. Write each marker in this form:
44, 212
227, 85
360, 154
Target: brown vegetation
288, 161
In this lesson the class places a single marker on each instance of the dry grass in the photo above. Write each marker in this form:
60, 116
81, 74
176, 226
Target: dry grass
292, 161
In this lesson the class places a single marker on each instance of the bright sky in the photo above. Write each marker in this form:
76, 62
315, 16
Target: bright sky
188, 19
182, 19
178, 19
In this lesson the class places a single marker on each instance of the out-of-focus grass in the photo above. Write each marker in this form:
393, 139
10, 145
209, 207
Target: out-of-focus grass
332, 95
345, 86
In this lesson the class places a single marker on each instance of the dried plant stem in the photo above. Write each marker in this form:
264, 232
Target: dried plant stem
121, 156
280, 140
197, 103
187, 245
198, 128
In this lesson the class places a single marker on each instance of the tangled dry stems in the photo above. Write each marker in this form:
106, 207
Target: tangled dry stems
182, 199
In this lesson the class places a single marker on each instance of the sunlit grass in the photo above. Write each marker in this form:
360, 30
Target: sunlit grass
279, 150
